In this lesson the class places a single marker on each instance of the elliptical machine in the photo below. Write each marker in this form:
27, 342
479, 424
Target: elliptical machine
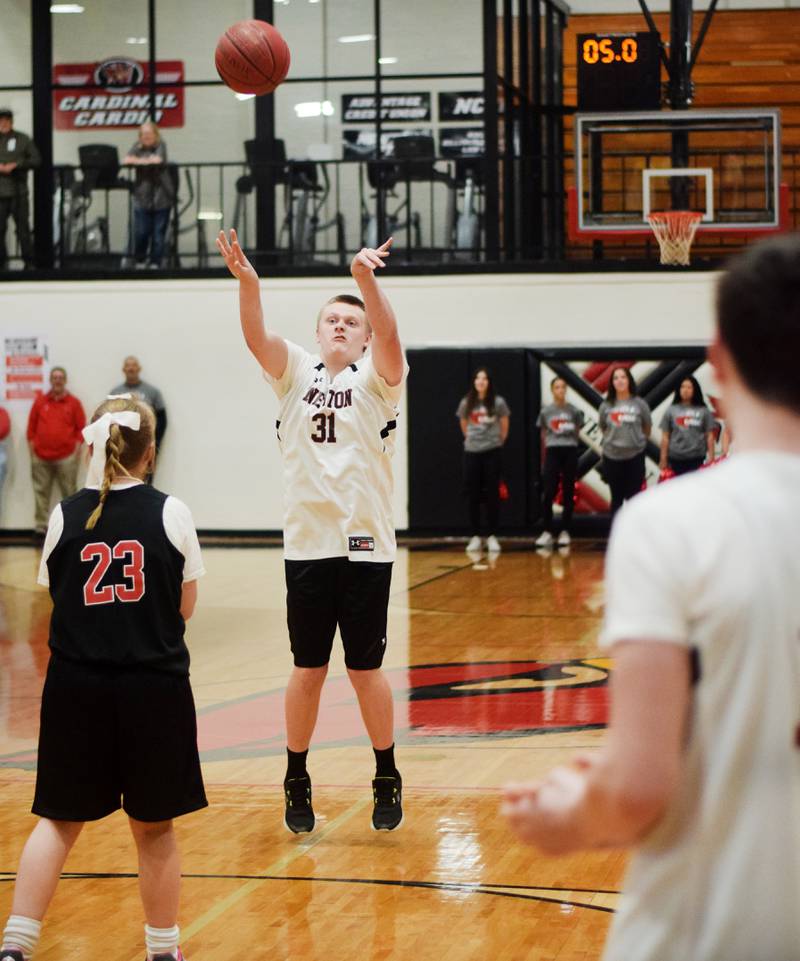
306, 190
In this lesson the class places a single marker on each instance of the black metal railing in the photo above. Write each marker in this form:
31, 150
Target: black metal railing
319, 212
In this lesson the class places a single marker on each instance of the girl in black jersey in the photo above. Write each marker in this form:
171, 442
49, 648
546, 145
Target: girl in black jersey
118, 726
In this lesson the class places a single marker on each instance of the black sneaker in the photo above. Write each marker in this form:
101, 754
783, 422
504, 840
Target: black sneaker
11, 954
387, 794
299, 817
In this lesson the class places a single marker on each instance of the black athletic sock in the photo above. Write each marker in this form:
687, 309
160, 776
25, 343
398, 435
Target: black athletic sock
384, 763
297, 764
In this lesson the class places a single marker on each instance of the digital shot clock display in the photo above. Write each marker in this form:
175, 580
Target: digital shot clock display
619, 71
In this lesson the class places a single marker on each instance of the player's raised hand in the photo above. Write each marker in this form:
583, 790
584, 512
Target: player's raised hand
234, 257
368, 259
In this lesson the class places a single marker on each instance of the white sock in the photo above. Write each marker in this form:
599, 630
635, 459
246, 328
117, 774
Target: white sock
162, 940
23, 934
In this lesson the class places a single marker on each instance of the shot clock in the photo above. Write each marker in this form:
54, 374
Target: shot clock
619, 71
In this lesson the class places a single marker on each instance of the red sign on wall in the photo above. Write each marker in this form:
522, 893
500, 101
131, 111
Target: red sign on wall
92, 101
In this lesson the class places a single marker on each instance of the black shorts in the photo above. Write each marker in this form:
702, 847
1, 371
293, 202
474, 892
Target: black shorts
116, 738
336, 591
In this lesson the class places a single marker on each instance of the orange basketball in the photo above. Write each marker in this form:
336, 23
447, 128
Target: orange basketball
252, 57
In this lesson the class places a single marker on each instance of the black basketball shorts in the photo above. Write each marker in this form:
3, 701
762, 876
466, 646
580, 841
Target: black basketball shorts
336, 591
112, 738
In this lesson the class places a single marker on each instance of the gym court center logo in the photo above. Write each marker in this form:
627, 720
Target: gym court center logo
433, 703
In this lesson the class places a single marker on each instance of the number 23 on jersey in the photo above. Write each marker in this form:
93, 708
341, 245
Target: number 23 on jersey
132, 588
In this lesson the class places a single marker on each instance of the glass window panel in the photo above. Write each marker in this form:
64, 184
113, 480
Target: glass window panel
424, 184
407, 29
15, 45
308, 119
111, 29
207, 172
190, 32
315, 32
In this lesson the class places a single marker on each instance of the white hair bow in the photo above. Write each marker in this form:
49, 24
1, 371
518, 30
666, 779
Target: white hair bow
96, 434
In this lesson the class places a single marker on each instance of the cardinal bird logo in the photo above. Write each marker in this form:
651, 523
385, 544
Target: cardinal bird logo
561, 425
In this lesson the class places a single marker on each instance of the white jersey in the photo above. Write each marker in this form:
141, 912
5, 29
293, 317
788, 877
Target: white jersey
712, 562
337, 440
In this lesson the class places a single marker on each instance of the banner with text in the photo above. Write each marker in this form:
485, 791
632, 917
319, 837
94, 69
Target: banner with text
462, 141
461, 106
395, 107
114, 94
25, 368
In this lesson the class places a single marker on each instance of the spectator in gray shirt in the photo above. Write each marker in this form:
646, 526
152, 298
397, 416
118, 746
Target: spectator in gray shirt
687, 430
153, 196
141, 390
484, 419
560, 425
625, 423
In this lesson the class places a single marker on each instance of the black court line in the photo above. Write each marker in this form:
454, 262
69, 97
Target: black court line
464, 887
438, 577
533, 617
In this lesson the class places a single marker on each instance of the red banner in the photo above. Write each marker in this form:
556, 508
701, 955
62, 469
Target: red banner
113, 93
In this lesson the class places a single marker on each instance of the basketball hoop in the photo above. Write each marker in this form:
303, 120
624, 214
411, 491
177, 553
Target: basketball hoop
675, 230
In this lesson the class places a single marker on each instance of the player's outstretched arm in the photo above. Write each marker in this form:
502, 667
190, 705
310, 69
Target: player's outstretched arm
387, 351
269, 349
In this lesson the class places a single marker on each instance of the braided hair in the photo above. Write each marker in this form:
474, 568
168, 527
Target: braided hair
125, 447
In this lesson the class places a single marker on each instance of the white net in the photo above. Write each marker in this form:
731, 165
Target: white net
675, 230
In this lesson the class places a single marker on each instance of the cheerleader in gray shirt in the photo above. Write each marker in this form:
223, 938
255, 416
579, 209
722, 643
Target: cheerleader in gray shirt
687, 430
626, 423
560, 424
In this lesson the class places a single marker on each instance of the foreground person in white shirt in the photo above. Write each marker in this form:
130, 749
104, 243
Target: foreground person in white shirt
338, 413
700, 771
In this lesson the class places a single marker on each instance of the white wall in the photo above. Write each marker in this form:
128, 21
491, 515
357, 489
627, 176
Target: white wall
220, 454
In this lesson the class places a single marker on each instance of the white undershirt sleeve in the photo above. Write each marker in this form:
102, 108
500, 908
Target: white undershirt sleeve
55, 528
180, 530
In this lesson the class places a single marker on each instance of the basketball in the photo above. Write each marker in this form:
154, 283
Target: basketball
252, 57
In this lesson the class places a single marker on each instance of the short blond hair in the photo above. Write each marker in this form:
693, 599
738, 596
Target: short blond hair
350, 299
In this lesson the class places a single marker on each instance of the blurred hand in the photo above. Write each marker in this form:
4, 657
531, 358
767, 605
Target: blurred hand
367, 260
234, 258
543, 812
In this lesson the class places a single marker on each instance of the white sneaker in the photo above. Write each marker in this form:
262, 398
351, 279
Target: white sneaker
493, 545
474, 544
564, 540
545, 539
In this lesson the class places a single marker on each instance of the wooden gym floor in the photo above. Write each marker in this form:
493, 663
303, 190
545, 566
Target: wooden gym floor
497, 676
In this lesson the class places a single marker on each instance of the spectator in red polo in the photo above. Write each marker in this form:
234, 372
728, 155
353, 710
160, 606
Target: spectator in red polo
54, 437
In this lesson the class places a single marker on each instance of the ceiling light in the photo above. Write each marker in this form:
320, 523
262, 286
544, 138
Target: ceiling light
66, 8
387, 59
314, 108
136, 40
357, 38
210, 215
245, 96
